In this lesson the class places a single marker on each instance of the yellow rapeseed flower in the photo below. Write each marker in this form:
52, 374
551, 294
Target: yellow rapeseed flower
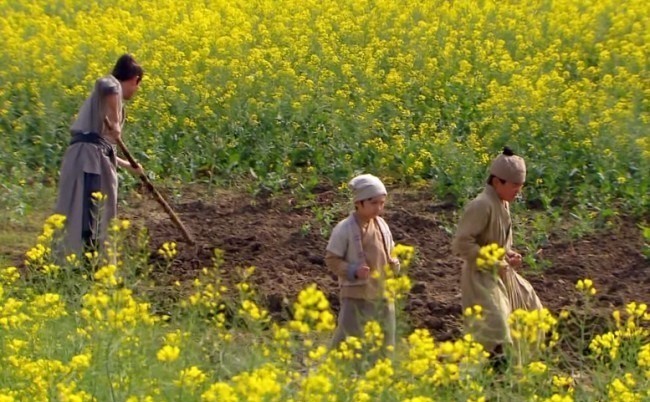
623, 389
586, 287
644, 359
312, 312
9, 275
563, 383
315, 387
250, 310
220, 392
190, 377
373, 336
6, 397
80, 362
98, 196
260, 384
67, 392
490, 257
474, 312
559, 398
404, 253
107, 275
536, 368
168, 250
397, 288
168, 353
605, 345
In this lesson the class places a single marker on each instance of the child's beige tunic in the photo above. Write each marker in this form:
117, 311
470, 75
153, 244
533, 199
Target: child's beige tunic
486, 220
362, 300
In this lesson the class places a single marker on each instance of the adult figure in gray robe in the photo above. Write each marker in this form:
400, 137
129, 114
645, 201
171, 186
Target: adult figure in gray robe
90, 163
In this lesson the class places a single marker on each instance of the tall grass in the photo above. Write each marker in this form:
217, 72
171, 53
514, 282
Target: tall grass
90, 330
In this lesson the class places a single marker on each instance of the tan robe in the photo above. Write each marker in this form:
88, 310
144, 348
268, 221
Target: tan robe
486, 220
362, 300
89, 167
343, 253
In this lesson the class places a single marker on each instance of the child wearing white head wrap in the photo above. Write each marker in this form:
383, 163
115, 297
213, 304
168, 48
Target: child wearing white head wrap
366, 186
360, 244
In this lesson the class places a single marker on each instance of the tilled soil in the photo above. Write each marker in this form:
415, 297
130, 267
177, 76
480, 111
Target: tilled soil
286, 244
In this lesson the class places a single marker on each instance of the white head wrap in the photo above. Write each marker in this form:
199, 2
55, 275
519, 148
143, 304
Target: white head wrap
366, 186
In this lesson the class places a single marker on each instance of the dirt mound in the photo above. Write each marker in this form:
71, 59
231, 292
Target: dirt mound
286, 245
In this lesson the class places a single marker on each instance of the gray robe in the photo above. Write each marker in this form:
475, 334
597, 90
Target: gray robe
486, 220
89, 165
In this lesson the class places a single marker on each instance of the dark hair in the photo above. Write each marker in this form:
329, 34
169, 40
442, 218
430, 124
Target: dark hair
508, 152
362, 202
489, 180
127, 68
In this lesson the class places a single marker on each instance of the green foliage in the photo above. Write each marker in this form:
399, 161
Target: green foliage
424, 93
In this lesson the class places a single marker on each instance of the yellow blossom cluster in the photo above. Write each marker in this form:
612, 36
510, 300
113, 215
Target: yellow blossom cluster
396, 288
317, 387
533, 326
52, 224
191, 378
8, 276
98, 197
490, 257
312, 312
586, 286
207, 295
168, 250
249, 309
404, 254
40, 256
624, 389
423, 91
107, 306
630, 331
440, 364
168, 353
375, 382
474, 312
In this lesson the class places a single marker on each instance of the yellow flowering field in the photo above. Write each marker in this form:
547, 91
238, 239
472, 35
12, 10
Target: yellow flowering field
422, 92
291, 94
89, 330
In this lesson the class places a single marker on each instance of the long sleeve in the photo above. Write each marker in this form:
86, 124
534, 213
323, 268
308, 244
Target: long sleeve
473, 222
337, 253
336, 264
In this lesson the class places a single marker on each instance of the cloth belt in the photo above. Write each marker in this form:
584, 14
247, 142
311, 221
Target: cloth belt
94, 138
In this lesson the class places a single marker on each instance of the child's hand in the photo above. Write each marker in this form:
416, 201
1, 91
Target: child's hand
363, 272
513, 259
394, 265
